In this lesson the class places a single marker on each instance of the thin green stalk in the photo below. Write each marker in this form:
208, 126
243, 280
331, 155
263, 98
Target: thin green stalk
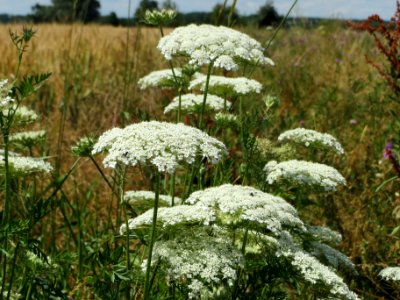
280, 25
12, 271
7, 199
269, 43
232, 10
178, 117
123, 206
203, 107
152, 238
172, 189
242, 138
243, 250
221, 10
28, 294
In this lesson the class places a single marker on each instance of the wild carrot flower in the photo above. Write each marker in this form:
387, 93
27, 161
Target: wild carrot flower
23, 115
304, 173
83, 147
324, 234
20, 165
133, 197
28, 138
390, 273
331, 256
5, 90
192, 103
159, 17
234, 204
171, 216
161, 78
160, 144
226, 119
199, 260
316, 273
220, 85
204, 44
308, 137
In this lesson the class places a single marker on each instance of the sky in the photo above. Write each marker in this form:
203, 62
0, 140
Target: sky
343, 9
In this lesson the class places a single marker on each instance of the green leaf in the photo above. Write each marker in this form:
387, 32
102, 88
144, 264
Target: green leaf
30, 84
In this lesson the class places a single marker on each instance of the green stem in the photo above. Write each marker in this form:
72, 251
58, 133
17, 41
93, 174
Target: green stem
243, 250
232, 10
178, 116
123, 206
152, 238
172, 189
280, 25
203, 107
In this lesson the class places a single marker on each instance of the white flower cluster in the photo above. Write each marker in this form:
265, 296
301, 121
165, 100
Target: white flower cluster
221, 85
312, 138
334, 257
205, 44
304, 172
316, 273
171, 216
193, 103
199, 260
159, 17
22, 116
236, 203
226, 119
390, 273
161, 78
5, 98
163, 145
325, 234
26, 165
132, 196
28, 137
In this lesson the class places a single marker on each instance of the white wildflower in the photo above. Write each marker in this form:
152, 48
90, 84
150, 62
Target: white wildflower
312, 138
325, 234
28, 138
199, 260
22, 116
390, 273
5, 99
193, 103
205, 44
304, 173
26, 165
161, 78
220, 85
235, 203
163, 145
171, 216
334, 257
133, 196
226, 119
316, 273
159, 17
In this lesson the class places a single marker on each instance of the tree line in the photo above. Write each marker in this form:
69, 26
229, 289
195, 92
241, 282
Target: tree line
88, 11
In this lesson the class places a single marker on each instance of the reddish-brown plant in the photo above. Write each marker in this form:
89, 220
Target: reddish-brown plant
387, 40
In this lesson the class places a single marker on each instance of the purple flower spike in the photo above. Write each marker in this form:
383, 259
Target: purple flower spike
388, 150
